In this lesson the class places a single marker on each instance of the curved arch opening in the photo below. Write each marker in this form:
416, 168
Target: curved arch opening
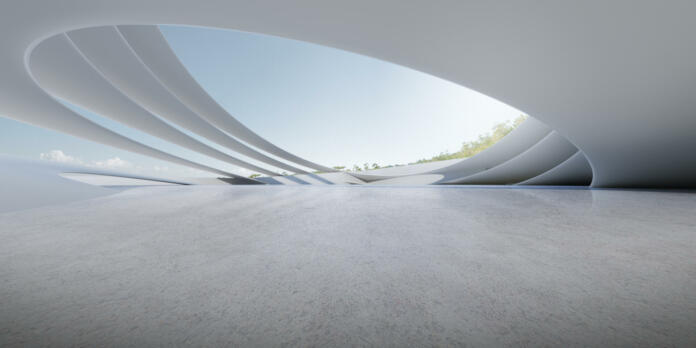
354, 113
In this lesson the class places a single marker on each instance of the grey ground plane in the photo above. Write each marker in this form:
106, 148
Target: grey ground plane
576, 229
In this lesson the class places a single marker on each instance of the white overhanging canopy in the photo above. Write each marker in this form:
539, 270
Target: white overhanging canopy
610, 84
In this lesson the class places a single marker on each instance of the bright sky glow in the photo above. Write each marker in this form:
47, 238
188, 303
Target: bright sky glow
323, 104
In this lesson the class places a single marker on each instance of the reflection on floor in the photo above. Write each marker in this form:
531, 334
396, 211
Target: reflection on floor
339, 265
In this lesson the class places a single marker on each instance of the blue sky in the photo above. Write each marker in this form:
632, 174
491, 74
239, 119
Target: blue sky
327, 105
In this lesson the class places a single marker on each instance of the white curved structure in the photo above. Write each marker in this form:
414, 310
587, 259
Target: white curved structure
107, 50
60, 68
529, 151
585, 82
153, 49
525, 136
97, 69
573, 171
550, 151
610, 85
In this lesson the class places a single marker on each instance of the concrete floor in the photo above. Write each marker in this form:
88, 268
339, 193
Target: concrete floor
352, 266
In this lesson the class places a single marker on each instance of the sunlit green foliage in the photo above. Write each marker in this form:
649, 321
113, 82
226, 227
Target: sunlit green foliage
483, 142
468, 149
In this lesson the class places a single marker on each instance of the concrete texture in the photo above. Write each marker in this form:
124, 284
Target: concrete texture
352, 266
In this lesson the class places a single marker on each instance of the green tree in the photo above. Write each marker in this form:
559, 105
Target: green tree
468, 149
483, 142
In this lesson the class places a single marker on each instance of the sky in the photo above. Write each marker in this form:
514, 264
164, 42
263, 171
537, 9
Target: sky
329, 106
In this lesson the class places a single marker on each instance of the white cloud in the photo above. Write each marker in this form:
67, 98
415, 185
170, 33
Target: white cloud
244, 172
59, 156
113, 163
118, 164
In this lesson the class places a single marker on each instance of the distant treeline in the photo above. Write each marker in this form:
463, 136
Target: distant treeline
468, 148
483, 142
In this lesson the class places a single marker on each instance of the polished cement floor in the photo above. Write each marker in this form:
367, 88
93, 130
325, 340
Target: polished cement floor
352, 266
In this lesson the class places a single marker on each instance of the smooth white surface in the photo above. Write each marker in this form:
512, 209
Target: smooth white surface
528, 151
521, 139
110, 180
410, 169
417, 179
106, 48
573, 171
153, 49
611, 77
543, 156
62, 69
